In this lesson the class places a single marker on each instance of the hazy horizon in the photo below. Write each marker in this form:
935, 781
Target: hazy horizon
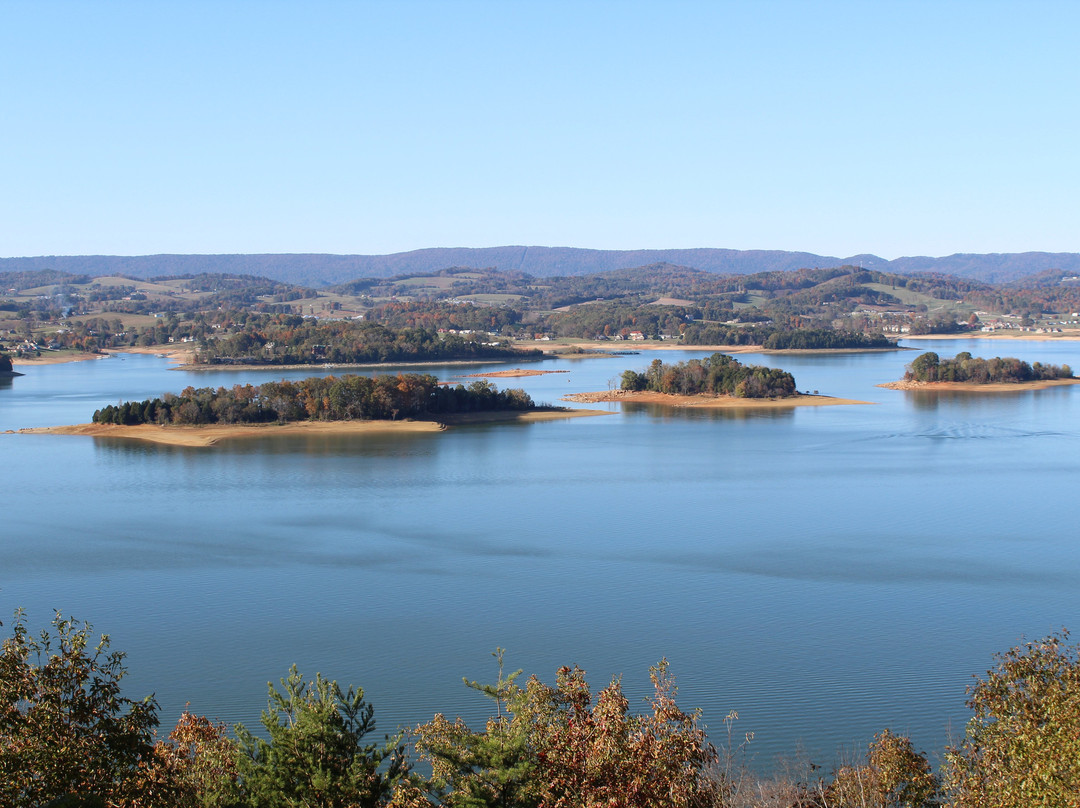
537, 246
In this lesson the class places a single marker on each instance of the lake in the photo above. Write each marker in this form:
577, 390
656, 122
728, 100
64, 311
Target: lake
826, 571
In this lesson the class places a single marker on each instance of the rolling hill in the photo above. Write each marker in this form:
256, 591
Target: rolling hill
319, 270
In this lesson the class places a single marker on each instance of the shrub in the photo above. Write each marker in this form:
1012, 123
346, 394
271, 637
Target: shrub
1022, 746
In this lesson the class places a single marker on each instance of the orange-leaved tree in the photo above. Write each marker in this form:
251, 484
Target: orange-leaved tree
554, 747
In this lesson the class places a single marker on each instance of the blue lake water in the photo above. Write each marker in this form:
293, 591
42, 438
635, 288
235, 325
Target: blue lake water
827, 572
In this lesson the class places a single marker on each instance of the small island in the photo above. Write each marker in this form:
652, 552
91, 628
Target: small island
966, 373
718, 381
406, 402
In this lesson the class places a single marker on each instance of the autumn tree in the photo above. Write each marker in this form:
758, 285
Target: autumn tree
591, 755
66, 732
1022, 746
195, 767
718, 374
893, 775
924, 367
555, 747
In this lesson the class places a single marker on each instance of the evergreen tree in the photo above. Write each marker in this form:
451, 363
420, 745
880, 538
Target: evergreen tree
490, 769
317, 755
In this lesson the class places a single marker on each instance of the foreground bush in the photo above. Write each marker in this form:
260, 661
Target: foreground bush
65, 730
69, 739
893, 775
555, 748
1022, 746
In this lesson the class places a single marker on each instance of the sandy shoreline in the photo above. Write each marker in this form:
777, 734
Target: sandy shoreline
182, 356
1067, 335
708, 401
529, 417
63, 357
968, 387
508, 374
623, 347
58, 358
211, 434
348, 366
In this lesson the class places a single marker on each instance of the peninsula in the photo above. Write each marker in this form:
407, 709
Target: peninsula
6, 370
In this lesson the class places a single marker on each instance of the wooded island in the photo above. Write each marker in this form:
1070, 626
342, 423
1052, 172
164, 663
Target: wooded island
967, 374
330, 398
718, 374
929, 367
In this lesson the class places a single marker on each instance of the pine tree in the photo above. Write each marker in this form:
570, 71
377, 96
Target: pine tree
317, 755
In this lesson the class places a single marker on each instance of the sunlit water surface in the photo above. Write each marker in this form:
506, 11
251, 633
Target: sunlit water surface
827, 572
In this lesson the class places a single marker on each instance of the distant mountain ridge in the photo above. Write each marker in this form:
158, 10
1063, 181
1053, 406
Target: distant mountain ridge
316, 269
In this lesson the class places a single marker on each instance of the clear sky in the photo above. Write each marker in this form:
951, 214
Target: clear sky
895, 128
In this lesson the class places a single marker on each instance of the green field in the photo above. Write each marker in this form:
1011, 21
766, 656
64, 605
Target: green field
754, 299
432, 282
911, 298
493, 298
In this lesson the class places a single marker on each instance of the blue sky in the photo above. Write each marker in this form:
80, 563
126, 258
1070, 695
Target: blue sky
896, 128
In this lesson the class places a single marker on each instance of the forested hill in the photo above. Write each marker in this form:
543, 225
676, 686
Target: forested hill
318, 270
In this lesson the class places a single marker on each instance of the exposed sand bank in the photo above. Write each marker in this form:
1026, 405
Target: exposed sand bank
56, 358
181, 356
781, 351
707, 401
212, 434
508, 374
532, 416
969, 387
622, 346
1066, 334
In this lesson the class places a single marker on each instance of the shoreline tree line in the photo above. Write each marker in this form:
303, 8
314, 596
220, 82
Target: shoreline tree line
295, 340
775, 338
330, 398
70, 738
